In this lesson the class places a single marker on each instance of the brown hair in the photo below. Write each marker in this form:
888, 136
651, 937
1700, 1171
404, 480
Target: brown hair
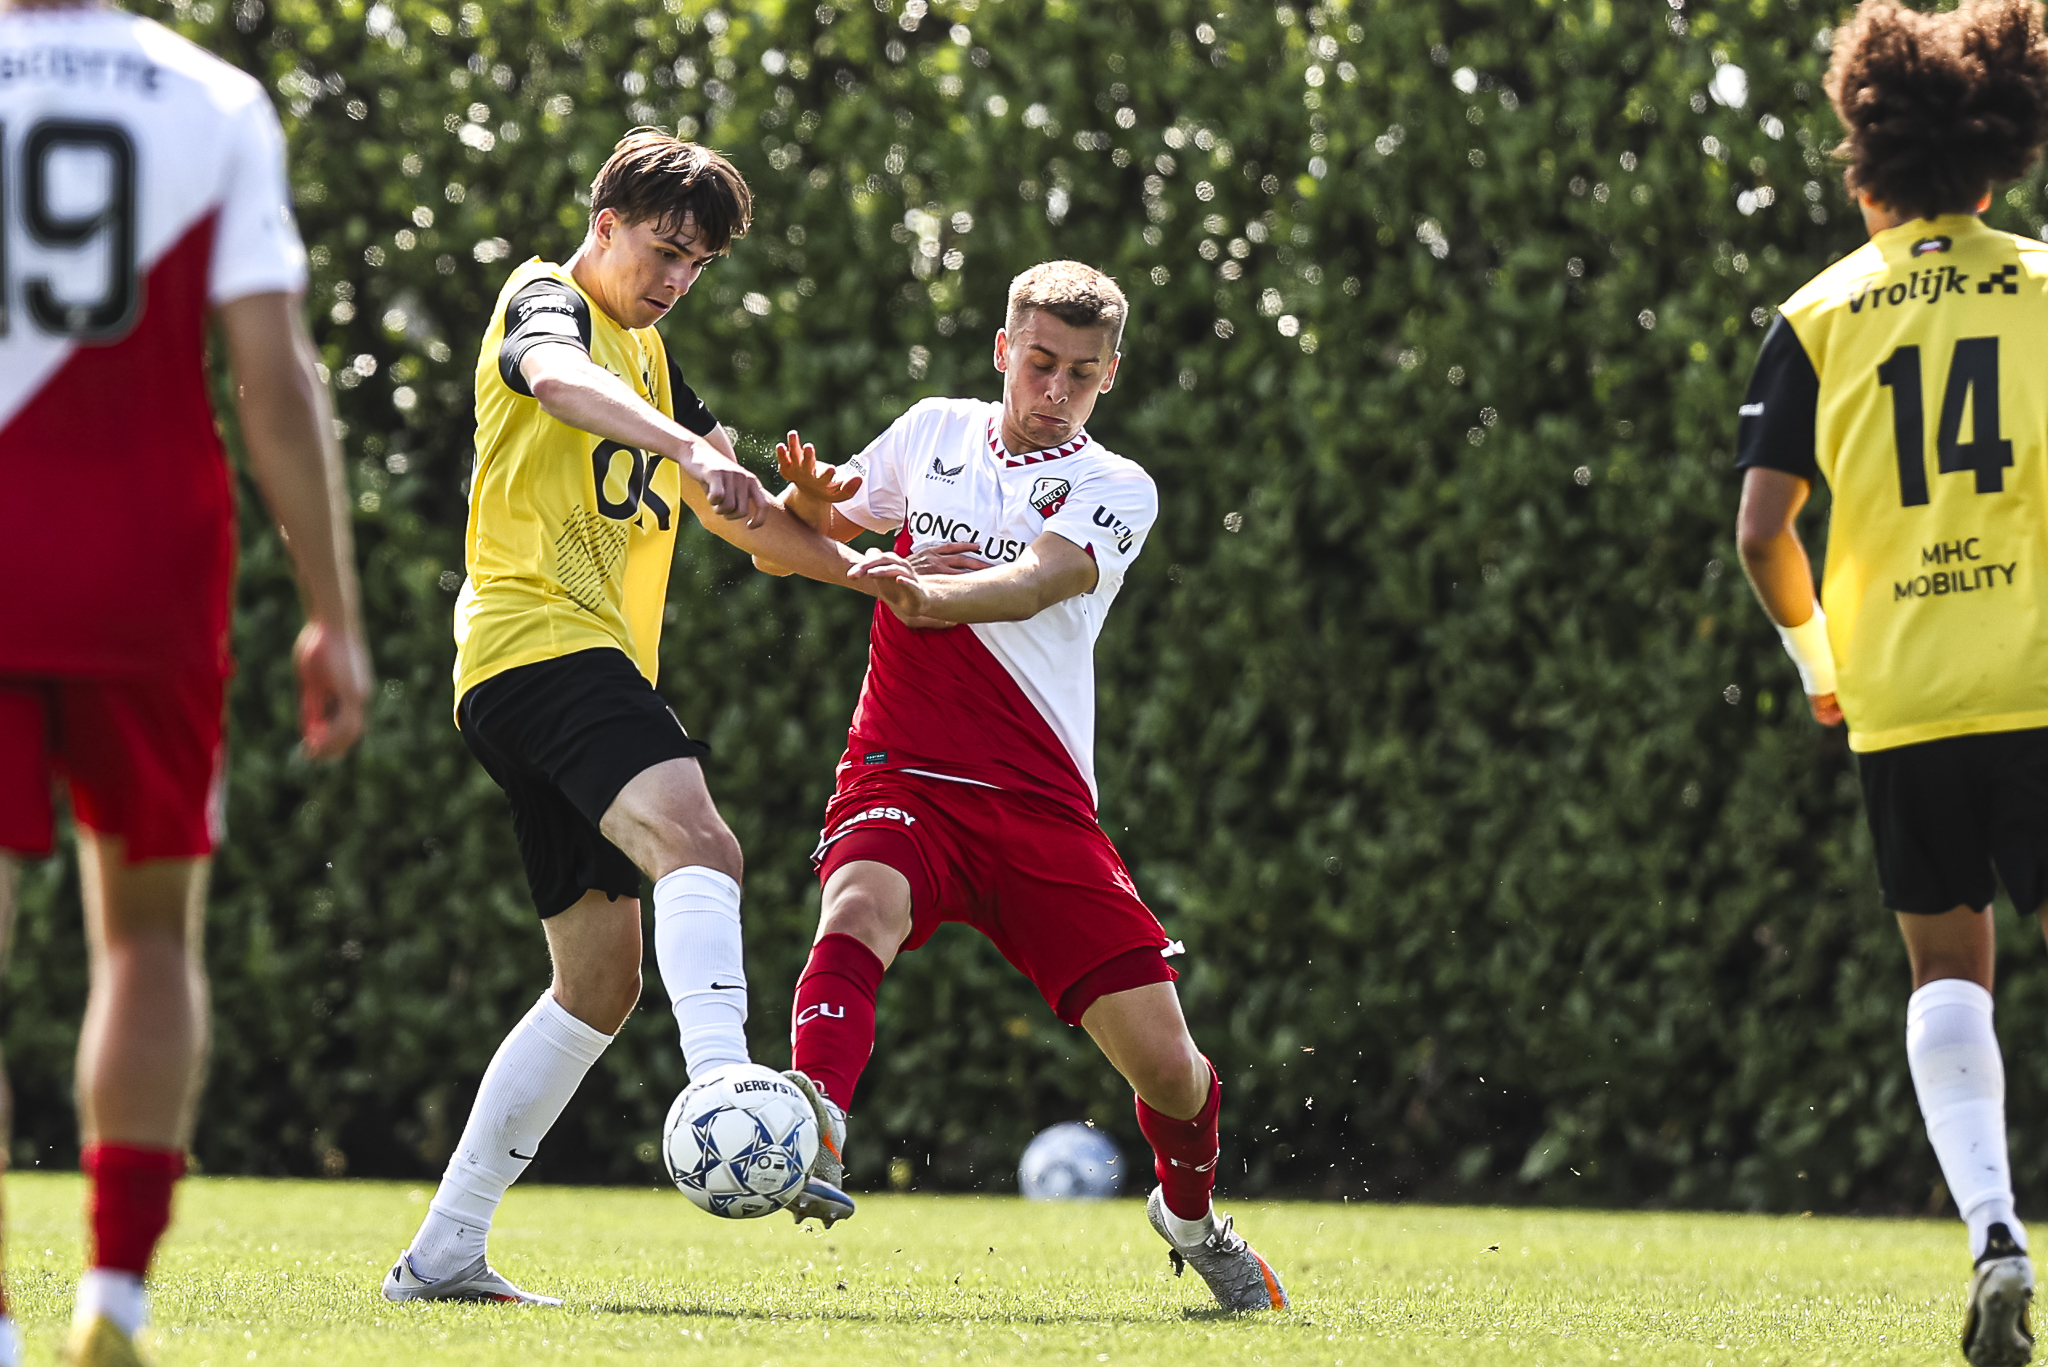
652, 175
1939, 107
1071, 292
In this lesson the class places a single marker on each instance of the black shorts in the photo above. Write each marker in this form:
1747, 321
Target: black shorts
1945, 813
562, 737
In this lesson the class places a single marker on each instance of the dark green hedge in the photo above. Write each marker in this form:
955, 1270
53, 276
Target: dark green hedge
1436, 720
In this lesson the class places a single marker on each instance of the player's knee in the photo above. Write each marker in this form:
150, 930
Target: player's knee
876, 920
1173, 1077
701, 842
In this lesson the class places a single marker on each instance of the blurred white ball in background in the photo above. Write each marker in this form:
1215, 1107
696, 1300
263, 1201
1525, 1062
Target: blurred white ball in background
1071, 1162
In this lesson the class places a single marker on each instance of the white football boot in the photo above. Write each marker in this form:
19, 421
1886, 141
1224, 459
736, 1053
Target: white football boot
1997, 1326
1238, 1277
477, 1282
822, 1197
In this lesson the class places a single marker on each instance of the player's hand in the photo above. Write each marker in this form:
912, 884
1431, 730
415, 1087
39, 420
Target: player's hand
897, 584
732, 490
1826, 710
950, 557
334, 685
797, 462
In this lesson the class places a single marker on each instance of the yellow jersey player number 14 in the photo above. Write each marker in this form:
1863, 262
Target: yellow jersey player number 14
1903, 375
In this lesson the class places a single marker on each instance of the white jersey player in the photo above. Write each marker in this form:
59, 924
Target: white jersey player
967, 791
142, 191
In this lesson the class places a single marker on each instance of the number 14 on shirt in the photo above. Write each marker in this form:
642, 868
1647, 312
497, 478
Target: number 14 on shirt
1972, 375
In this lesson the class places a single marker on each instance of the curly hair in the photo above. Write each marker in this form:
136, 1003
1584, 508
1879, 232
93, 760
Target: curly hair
1939, 107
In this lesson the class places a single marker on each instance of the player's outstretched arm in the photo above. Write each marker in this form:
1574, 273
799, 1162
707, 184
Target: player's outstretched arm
288, 428
1050, 570
1775, 561
578, 391
723, 495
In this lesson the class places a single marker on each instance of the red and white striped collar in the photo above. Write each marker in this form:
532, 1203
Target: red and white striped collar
1010, 461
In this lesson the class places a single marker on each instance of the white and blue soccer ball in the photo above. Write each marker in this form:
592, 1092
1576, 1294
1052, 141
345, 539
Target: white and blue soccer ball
1071, 1162
740, 1140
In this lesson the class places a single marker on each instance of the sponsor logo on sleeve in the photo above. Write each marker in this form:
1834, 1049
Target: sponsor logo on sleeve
545, 303
1049, 494
1116, 527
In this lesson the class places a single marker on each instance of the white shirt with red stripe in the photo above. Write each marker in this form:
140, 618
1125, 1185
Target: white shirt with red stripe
1005, 704
142, 184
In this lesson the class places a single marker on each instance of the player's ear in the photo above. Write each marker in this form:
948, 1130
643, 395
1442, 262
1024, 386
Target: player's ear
1109, 375
1003, 349
601, 227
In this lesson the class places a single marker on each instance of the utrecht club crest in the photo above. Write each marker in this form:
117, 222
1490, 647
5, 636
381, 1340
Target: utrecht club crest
1049, 494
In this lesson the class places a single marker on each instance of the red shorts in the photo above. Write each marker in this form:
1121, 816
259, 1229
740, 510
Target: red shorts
1039, 879
143, 756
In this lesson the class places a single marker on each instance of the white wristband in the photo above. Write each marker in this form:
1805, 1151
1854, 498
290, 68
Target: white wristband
1808, 646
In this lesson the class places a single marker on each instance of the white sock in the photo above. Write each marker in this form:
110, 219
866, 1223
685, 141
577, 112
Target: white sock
697, 949
1188, 1233
117, 1295
531, 1078
10, 1342
1960, 1078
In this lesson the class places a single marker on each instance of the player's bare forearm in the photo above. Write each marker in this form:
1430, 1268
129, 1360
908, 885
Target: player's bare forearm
574, 389
1050, 570
288, 428
815, 513
1772, 555
784, 542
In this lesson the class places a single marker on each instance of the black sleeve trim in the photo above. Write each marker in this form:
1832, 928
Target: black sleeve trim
544, 310
1775, 431
689, 409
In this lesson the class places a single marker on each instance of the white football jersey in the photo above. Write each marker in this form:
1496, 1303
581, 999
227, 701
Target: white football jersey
142, 184
941, 473
120, 138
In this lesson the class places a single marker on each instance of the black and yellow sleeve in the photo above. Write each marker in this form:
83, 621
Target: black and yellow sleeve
690, 411
1776, 426
544, 310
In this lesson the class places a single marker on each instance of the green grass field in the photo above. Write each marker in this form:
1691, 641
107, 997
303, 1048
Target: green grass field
262, 1271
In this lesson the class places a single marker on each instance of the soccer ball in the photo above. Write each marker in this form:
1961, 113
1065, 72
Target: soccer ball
740, 1140
1071, 1162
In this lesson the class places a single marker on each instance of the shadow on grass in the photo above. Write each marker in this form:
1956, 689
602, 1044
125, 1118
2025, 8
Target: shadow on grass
929, 1314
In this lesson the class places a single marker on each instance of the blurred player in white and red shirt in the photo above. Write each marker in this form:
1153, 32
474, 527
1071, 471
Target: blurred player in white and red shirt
142, 193
967, 791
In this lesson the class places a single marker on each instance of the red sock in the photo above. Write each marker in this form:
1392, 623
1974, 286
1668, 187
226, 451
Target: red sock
832, 1023
1184, 1152
129, 1204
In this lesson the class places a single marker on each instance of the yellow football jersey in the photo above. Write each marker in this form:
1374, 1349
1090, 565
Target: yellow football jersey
570, 536
1905, 376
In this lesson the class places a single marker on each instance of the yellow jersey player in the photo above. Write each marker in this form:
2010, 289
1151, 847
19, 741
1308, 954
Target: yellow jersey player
589, 446
1906, 376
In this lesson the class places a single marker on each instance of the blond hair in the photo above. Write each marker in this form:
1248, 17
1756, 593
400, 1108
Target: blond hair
1078, 295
